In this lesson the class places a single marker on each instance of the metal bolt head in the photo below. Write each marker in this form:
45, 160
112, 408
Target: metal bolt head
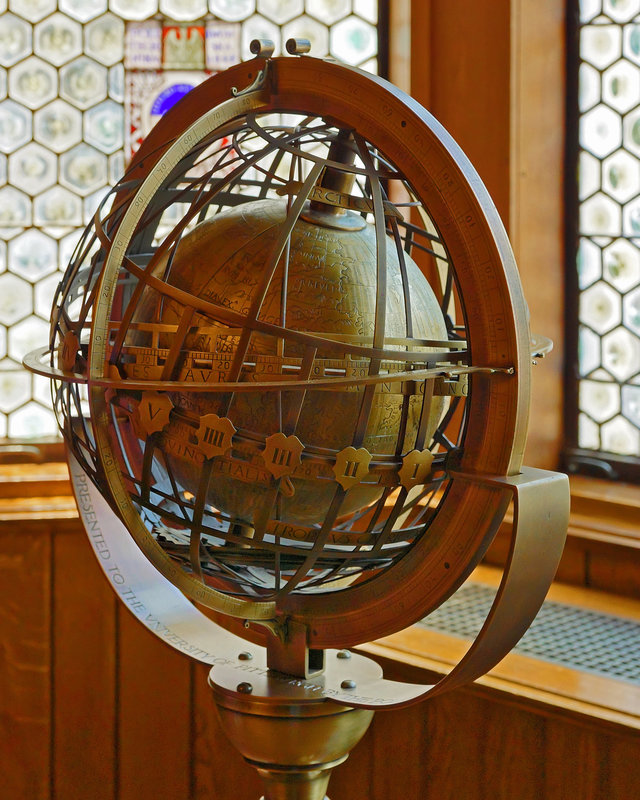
348, 683
245, 656
244, 688
344, 654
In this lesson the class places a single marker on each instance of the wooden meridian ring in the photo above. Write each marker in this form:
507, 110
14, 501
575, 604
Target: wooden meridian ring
494, 307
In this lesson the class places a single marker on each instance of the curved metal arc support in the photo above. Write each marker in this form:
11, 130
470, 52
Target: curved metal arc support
541, 518
541, 506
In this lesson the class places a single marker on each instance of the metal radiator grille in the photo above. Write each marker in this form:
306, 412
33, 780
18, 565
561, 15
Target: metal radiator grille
561, 634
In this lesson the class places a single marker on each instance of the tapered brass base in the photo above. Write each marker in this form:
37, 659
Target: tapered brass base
292, 735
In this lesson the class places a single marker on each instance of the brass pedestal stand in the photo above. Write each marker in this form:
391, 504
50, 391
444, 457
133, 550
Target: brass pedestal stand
286, 728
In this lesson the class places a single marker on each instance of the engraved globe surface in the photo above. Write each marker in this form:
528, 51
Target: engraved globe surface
262, 353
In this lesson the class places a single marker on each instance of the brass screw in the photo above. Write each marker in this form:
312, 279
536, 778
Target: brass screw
244, 688
348, 683
344, 654
244, 656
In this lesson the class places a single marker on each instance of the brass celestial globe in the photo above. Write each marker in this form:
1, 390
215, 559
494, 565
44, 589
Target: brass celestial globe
291, 362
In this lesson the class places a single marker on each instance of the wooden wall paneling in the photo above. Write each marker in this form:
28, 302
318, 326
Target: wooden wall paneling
25, 662
154, 715
573, 762
353, 779
468, 52
220, 772
536, 224
615, 570
513, 751
621, 769
84, 672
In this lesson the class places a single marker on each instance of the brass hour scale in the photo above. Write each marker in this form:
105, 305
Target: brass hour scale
291, 362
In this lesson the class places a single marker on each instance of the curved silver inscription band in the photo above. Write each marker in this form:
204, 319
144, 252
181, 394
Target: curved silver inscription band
541, 508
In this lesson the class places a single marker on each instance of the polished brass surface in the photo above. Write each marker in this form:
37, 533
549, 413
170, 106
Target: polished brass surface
287, 730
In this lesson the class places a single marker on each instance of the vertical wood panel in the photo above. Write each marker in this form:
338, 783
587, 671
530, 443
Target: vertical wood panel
573, 762
154, 715
537, 207
220, 772
25, 662
84, 673
469, 54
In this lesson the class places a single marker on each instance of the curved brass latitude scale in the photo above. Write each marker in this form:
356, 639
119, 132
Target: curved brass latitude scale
291, 361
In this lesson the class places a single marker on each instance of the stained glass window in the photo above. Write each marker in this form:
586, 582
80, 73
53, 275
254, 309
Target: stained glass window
608, 236
81, 83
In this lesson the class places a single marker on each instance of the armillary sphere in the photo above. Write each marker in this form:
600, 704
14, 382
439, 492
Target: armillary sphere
292, 353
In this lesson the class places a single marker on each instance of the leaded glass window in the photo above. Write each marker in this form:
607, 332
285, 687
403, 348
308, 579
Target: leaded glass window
605, 384
81, 82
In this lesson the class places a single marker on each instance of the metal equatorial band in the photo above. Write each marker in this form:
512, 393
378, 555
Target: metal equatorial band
541, 513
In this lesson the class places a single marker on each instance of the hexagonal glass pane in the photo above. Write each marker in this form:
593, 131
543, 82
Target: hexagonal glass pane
84, 10
588, 263
601, 131
353, 40
600, 216
631, 133
15, 126
83, 82
32, 255
620, 10
58, 126
588, 87
631, 312
83, 169
15, 39
281, 11
308, 28
621, 176
631, 218
3, 83
631, 403
15, 208
104, 39
232, 10
631, 44
600, 401
367, 9
33, 82
621, 354
104, 126
588, 175
26, 336
58, 39
329, 11
33, 168
619, 436
33, 10
44, 292
15, 299
116, 167
15, 389
622, 265
41, 389
32, 420
134, 9
259, 28
621, 86
588, 351
588, 433
600, 307
601, 45
116, 83
57, 208
183, 10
